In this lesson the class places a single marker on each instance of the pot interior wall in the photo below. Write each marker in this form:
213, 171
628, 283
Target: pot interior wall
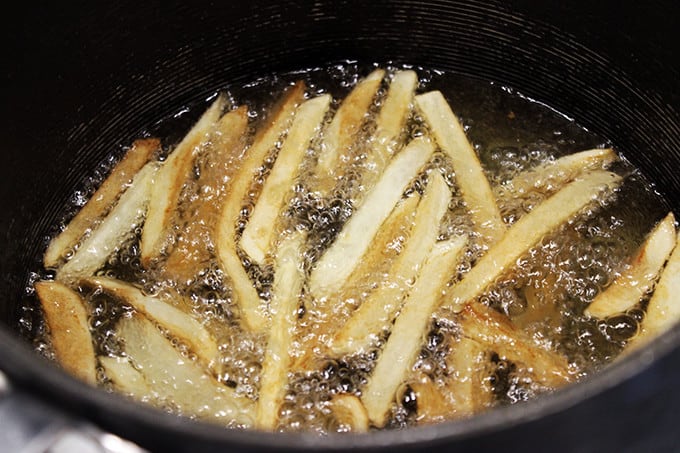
83, 80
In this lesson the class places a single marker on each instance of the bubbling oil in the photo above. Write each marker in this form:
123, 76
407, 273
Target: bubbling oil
545, 294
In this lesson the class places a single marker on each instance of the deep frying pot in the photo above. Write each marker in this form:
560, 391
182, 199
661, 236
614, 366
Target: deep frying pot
80, 80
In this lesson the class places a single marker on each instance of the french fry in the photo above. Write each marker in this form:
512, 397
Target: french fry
179, 381
259, 232
67, 320
246, 295
567, 203
389, 126
406, 338
349, 413
342, 131
100, 202
180, 324
640, 274
288, 280
343, 256
468, 387
193, 249
555, 174
114, 230
663, 310
377, 312
125, 378
494, 330
472, 182
171, 178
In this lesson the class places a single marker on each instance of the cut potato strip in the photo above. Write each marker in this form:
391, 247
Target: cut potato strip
640, 274
663, 310
125, 378
349, 413
257, 237
567, 203
494, 330
67, 321
193, 250
342, 131
410, 327
178, 380
116, 228
171, 178
178, 323
467, 385
377, 312
100, 202
470, 177
389, 126
343, 256
246, 295
288, 280
555, 174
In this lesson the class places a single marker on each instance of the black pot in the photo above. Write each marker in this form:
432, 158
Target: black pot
82, 79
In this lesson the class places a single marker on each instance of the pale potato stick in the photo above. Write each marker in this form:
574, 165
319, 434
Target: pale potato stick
342, 131
640, 274
494, 330
176, 379
67, 320
178, 323
389, 125
349, 413
288, 279
410, 327
467, 386
558, 172
564, 205
125, 378
343, 256
663, 310
169, 182
377, 312
259, 232
193, 249
470, 177
104, 197
246, 295
115, 229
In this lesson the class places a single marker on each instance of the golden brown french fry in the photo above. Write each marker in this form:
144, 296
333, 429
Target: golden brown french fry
118, 180
342, 131
490, 328
528, 230
470, 177
377, 312
555, 174
288, 280
663, 310
259, 232
470, 391
178, 380
178, 323
169, 182
349, 413
640, 274
125, 378
410, 327
115, 229
193, 249
67, 320
247, 298
342, 257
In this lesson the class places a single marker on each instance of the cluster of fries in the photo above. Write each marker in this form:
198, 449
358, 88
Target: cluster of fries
422, 273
